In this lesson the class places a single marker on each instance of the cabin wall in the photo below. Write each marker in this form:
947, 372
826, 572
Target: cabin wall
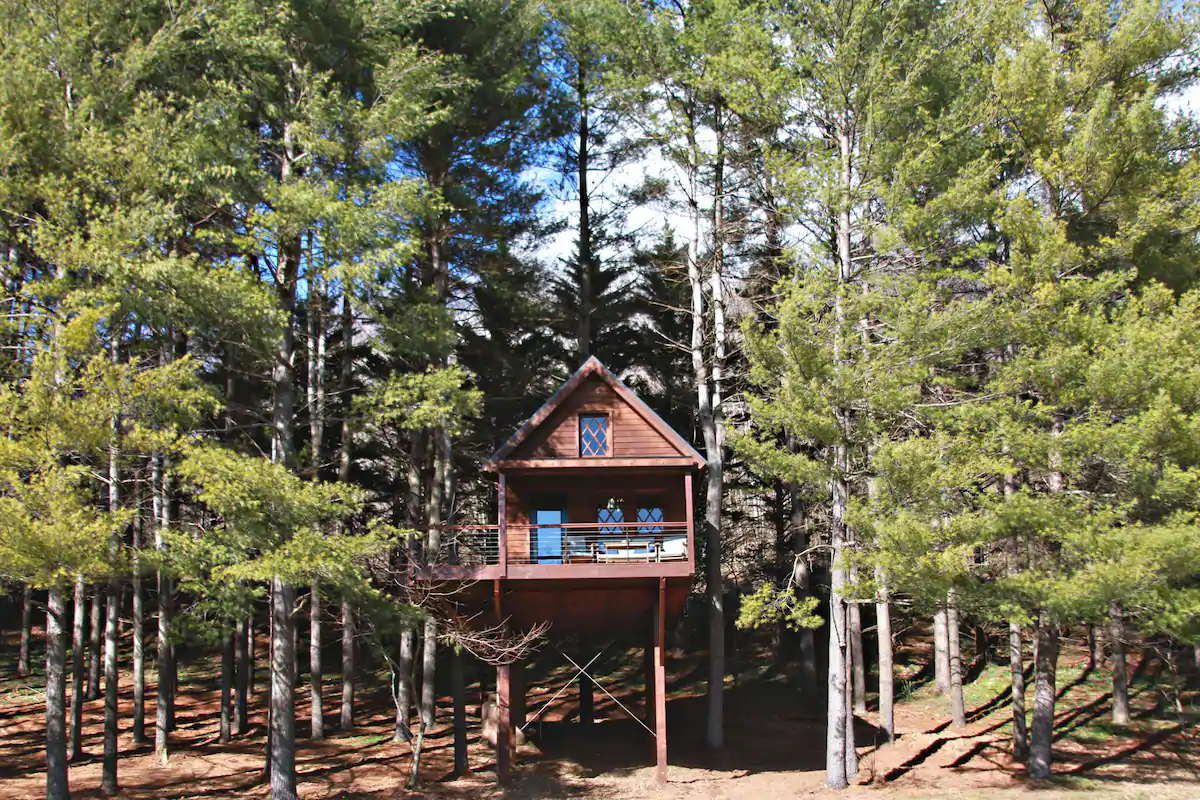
631, 435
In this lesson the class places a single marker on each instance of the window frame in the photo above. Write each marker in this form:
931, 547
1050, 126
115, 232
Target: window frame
608, 432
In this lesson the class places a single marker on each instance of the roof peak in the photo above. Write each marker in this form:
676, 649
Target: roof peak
593, 366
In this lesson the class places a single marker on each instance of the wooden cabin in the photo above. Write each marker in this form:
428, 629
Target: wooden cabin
594, 529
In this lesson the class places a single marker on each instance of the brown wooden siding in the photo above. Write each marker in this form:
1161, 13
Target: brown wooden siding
631, 436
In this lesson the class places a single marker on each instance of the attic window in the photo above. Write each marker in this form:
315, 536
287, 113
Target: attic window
593, 436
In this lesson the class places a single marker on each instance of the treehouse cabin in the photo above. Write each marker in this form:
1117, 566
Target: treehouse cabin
593, 532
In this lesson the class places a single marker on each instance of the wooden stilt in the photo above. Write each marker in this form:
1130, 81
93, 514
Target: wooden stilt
660, 681
516, 700
648, 672
503, 723
504, 735
586, 702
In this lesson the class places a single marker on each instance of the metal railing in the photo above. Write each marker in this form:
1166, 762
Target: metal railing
567, 543
471, 545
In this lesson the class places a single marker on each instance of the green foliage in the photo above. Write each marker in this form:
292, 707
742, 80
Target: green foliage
437, 398
768, 605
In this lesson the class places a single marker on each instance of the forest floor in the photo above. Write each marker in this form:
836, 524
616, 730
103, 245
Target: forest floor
775, 739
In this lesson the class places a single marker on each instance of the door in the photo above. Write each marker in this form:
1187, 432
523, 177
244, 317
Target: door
548, 540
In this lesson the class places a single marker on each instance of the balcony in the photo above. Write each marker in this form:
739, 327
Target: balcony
565, 550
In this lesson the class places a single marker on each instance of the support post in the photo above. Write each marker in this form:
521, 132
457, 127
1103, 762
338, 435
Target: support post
586, 701
504, 736
516, 700
660, 682
503, 723
648, 672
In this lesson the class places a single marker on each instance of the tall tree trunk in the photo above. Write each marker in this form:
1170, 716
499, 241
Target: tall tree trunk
858, 659
851, 749
112, 625
162, 718
458, 680
26, 620
586, 301
883, 627
1016, 656
1042, 740
57, 787
954, 650
1095, 647
347, 718
227, 641
1016, 660
715, 475
404, 686
983, 645
345, 386
840, 731
282, 723
808, 639
840, 727
941, 651
1116, 634
282, 726
434, 540
250, 650
314, 661
244, 666
139, 622
78, 673
316, 424
96, 639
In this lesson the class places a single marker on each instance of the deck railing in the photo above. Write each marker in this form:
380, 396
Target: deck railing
567, 543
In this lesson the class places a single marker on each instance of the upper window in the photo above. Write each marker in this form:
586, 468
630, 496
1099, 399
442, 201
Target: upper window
594, 436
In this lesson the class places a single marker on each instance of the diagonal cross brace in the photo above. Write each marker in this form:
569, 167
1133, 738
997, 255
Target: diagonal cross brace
578, 671
610, 696
584, 671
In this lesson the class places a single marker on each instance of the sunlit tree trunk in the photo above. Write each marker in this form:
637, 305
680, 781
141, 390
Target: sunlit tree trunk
1016, 660
1116, 634
56, 719
347, 717
282, 723
314, 661
112, 624
941, 651
95, 642
78, 673
858, 659
139, 622
1042, 739
227, 666
159, 482
883, 627
244, 667
954, 650
26, 620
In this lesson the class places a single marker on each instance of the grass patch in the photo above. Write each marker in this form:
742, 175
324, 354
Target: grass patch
364, 740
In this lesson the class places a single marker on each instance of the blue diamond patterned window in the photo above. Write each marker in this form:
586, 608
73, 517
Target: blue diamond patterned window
607, 516
593, 436
650, 515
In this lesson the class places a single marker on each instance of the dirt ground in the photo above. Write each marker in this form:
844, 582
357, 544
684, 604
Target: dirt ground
775, 745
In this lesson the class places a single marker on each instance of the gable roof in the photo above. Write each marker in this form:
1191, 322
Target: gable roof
593, 367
